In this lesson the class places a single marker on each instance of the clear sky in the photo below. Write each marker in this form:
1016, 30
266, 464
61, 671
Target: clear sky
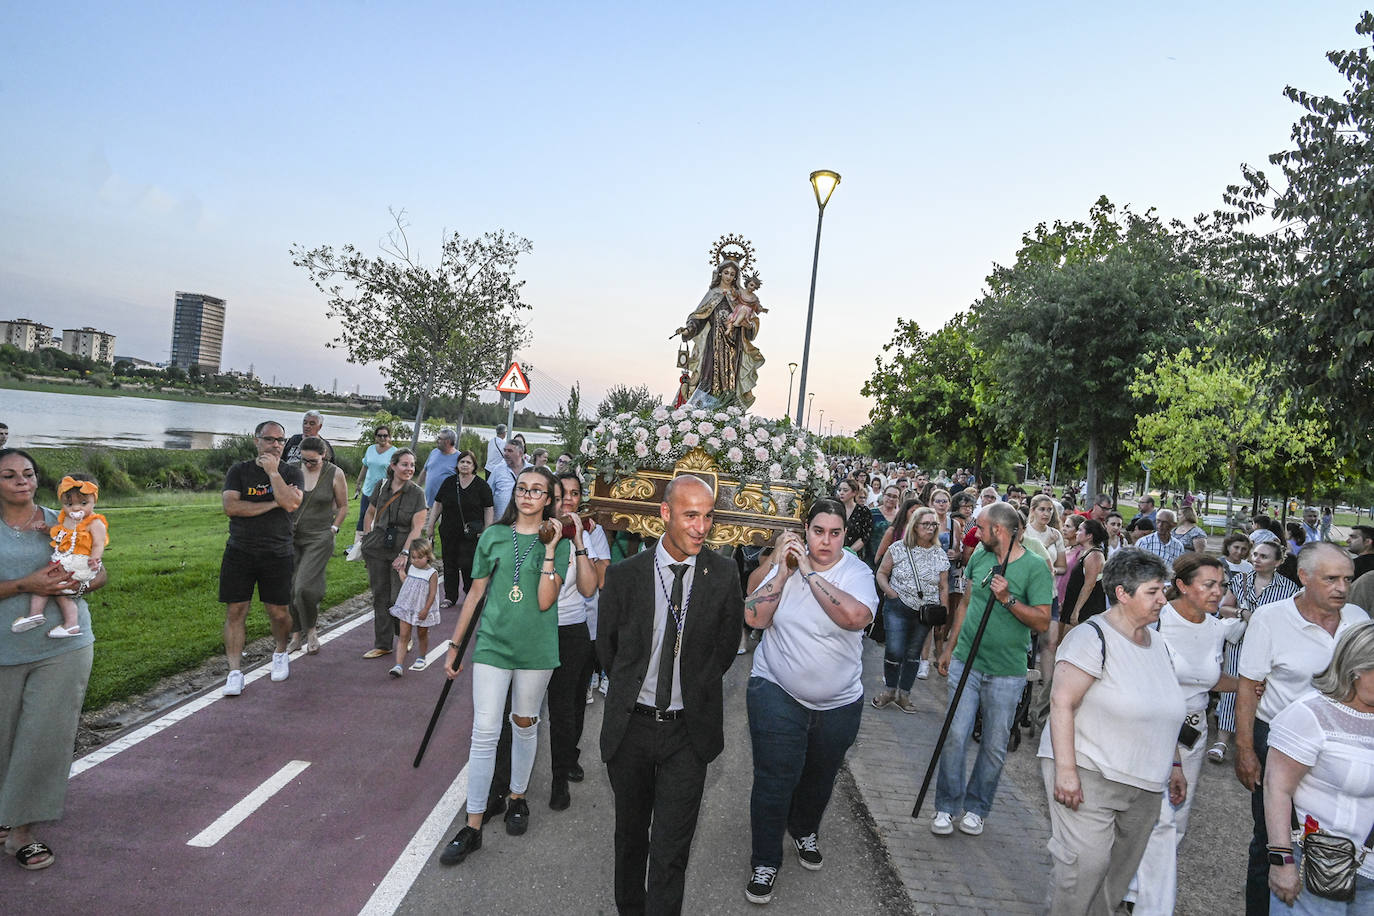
156, 147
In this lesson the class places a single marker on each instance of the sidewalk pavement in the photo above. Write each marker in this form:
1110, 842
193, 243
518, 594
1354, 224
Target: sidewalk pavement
1006, 869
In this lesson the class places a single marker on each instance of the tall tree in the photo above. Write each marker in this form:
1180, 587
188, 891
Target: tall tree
439, 330
1210, 410
932, 394
1068, 326
1308, 303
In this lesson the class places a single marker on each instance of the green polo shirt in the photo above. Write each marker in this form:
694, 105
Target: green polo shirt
1006, 641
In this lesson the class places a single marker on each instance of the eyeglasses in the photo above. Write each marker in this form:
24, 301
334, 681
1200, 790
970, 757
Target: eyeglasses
537, 492
280, 440
311, 462
928, 525
382, 436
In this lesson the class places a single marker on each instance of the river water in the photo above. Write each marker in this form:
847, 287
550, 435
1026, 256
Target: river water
42, 418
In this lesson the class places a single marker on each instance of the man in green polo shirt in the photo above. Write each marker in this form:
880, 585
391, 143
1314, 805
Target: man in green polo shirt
1022, 594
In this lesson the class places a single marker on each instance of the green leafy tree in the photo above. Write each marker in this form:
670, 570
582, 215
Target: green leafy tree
932, 395
1069, 326
433, 330
625, 399
572, 426
1211, 410
1307, 286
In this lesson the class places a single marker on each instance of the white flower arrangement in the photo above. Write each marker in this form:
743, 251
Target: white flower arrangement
748, 448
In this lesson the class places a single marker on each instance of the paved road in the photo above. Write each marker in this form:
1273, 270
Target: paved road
300, 797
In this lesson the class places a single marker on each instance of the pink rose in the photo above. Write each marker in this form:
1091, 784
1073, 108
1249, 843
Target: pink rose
690, 439
734, 454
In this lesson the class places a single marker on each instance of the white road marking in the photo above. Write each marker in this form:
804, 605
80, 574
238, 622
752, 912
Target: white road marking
250, 803
394, 887
101, 754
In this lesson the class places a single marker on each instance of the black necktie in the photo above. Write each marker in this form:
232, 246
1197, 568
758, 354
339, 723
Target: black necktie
663, 693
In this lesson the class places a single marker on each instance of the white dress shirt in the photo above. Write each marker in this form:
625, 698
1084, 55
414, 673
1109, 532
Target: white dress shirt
663, 624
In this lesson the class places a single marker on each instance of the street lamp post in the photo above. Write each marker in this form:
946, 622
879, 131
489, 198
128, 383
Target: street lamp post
823, 182
820, 424
809, 396
791, 374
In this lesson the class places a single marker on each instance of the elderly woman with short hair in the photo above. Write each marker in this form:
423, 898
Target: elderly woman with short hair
1115, 712
1320, 769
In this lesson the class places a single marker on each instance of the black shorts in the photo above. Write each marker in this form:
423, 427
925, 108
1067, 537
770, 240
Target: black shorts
240, 570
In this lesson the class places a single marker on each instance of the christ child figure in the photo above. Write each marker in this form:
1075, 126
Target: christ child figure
78, 540
747, 306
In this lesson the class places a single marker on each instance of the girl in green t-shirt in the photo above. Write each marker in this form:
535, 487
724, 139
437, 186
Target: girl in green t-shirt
517, 647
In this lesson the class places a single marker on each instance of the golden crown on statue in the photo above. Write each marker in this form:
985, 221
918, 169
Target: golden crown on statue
732, 248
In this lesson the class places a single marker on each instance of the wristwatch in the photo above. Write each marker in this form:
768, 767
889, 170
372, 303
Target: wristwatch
1278, 857
580, 553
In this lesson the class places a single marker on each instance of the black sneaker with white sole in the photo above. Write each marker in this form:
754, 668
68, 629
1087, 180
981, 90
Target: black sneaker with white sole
808, 853
760, 889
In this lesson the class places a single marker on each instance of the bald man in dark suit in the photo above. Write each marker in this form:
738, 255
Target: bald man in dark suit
670, 623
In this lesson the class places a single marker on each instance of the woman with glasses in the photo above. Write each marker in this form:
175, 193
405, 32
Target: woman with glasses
324, 505
914, 573
462, 510
883, 515
520, 577
395, 517
376, 459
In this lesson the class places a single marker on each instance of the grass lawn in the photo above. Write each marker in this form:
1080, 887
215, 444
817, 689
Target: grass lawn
160, 613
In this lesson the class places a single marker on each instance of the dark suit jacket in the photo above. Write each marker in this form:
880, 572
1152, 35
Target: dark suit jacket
710, 639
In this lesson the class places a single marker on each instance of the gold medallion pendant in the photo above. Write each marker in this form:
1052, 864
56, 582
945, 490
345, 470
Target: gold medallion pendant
515, 594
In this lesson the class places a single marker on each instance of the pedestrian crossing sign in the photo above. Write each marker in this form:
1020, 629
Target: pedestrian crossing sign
514, 381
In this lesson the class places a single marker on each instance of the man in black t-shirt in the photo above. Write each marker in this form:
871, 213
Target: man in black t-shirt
259, 496
1362, 546
311, 424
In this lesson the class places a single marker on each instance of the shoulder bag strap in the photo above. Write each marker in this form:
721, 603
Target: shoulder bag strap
920, 594
1100, 638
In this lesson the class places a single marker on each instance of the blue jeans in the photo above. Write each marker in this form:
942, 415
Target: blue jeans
797, 752
998, 697
902, 650
1309, 904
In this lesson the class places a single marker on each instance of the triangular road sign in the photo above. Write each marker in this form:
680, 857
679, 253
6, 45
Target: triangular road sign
514, 381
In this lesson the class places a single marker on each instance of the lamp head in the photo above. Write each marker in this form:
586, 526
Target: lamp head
791, 367
823, 182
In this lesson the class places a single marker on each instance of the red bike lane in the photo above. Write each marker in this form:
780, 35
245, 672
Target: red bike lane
338, 736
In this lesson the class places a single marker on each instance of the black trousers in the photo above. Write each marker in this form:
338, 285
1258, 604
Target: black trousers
657, 779
1257, 868
568, 697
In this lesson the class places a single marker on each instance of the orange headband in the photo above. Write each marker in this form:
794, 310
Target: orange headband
85, 486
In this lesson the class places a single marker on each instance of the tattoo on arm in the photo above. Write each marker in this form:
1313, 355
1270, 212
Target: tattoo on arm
752, 605
826, 592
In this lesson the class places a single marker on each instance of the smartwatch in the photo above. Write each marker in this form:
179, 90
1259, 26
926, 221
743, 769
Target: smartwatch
580, 553
1277, 857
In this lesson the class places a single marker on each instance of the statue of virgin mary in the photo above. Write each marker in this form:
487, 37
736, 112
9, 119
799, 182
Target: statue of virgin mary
723, 363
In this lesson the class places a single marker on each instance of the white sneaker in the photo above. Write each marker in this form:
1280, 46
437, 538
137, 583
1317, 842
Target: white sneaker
923, 669
942, 824
971, 824
591, 692
281, 666
234, 685
605, 685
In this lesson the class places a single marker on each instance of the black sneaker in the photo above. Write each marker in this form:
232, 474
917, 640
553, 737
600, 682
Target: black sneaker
559, 799
495, 805
518, 816
808, 853
760, 889
576, 773
468, 840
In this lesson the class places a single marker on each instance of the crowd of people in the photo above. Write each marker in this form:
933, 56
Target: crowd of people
1124, 645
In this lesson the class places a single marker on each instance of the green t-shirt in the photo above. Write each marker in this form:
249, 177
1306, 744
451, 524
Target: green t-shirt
1006, 641
516, 635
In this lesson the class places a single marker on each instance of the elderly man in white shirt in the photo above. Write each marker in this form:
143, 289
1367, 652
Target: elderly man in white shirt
1287, 642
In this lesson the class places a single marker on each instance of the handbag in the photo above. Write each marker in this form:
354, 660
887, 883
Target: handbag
1329, 863
931, 615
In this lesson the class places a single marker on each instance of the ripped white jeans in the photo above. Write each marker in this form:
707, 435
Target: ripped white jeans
489, 687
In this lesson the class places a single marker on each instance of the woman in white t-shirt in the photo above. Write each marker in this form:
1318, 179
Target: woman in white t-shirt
1321, 766
1194, 635
1115, 712
805, 692
568, 683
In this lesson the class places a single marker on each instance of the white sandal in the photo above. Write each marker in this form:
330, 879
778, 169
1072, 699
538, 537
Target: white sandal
60, 632
1217, 752
24, 624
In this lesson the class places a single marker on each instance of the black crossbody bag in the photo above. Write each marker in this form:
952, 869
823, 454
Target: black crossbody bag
931, 615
